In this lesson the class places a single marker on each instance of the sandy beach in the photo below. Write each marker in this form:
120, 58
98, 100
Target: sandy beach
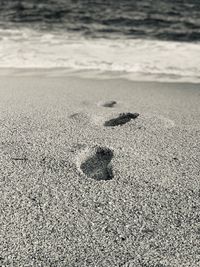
98, 172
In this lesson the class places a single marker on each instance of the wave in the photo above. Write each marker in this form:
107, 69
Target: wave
172, 20
134, 58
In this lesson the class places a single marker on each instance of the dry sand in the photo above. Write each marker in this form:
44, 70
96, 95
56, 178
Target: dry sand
75, 191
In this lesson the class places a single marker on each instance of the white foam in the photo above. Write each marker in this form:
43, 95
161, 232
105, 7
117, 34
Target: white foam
135, 59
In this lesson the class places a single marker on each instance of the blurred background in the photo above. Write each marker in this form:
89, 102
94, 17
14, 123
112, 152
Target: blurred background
177, 20
141, 39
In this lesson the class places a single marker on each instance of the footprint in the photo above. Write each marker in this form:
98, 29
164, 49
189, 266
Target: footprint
96, 163
79, 117
121, 119
109, 104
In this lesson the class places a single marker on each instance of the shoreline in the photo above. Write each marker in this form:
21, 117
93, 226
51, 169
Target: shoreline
62, 72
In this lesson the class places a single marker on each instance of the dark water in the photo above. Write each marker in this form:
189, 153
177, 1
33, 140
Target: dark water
175, 20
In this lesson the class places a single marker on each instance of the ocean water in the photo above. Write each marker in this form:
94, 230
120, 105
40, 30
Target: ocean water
150, 39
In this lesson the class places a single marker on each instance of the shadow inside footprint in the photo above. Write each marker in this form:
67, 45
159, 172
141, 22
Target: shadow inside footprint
96, 165
121, 119
109, 104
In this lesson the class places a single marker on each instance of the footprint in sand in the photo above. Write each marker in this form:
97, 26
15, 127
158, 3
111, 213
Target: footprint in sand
79, 118
95, 163
121, 119
109, 104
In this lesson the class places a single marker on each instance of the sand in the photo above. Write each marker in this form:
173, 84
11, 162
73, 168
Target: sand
75, 191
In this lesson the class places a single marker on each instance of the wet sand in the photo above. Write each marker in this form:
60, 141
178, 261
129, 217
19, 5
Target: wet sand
99, 172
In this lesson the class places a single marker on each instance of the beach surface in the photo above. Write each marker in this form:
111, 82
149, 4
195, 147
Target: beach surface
98, 172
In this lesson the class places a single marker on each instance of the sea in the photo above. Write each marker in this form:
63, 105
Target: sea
155, 40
